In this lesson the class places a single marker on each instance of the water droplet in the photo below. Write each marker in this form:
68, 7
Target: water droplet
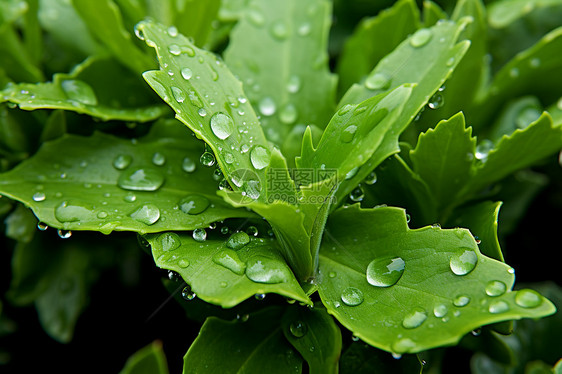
288, 115
377, 81
279, 30
526, 116
385, 272
304, 29
42, 226
121, 162
514, 72
130, 197
461, 300
259, 296
230, 260
139, 32
495, 288
173, 31
463, 262
440, 310
199, 235
256, 17
267, 106
178, 94
187, 294
188, 165
420, 38
528, 298
499, 306
298, 329
262, 269
73, 212
186, 73
402, 345
352, 296
436, 101
158, 159
193, 204
414, 318
293, 84
202, 112
371, 178
332, 274
535, 62
482, 150
450, 62
183, 263
170, 241
348, 133
145, 179
102, 214
238, 240
64, 234
39, 196
357, 194
174, 49
79, 91
252, 231
207, 159
260, 157
222, 125
147, 214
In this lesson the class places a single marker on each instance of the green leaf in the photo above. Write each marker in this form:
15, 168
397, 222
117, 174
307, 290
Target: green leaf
315, 336
439, 275
195, 18
21, 224
373, 39
105, 22
88, 89
102, 183
264, 349
147, 360
210, 101
225, 271
279, 51
443, 158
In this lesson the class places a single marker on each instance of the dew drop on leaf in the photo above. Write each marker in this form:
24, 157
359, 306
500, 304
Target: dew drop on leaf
293, 84
42, 226
252, 231
144, 179
377, 81
199, 235
187, 294
174, 49
527, 298
188, 165
229, 259
436, 101
371, 178
169, 241
260, 157
130, 197
267, 106
298, 329
222, 125
357, 194
421, 38
64, 234
72, 212
259, 296
415, 318
173, 31
183, 263
158, 159
385, 272
38, 196
207, 159
288, 115
461, 300
440, 310
482, 150
256, 17
261, 269
193, 204
238, 240
464, 262
178, 94
121, 162
352, 296
495, 288
497, 307
279, 30
148, 214
102, 214
79, 91
186, 73
347, 135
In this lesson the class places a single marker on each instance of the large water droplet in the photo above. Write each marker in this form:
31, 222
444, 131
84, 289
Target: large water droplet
260, 157
39, 196
357, 194
64, 234
170, 241
79, 91
199, 235
348, 133
495, 288
187, 294
207, 159
461, 300
188, 165
158, 159
147, 214
173, 31
482, 150
238, 240
256, 17
420, 38
298, 329
526, 116
464, 262
121, 162
73, 212
499, 306
230, 260
267, 106
352, 296
194, 204
528, 298
288, 115
436, 101
440, 310
293, 84
402, 345
222, 125
174, 49
414, 318
377, 81
186, 73
371, 178
178, 94
262, 269
183, 263
279, 30
384, 271
145, 179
